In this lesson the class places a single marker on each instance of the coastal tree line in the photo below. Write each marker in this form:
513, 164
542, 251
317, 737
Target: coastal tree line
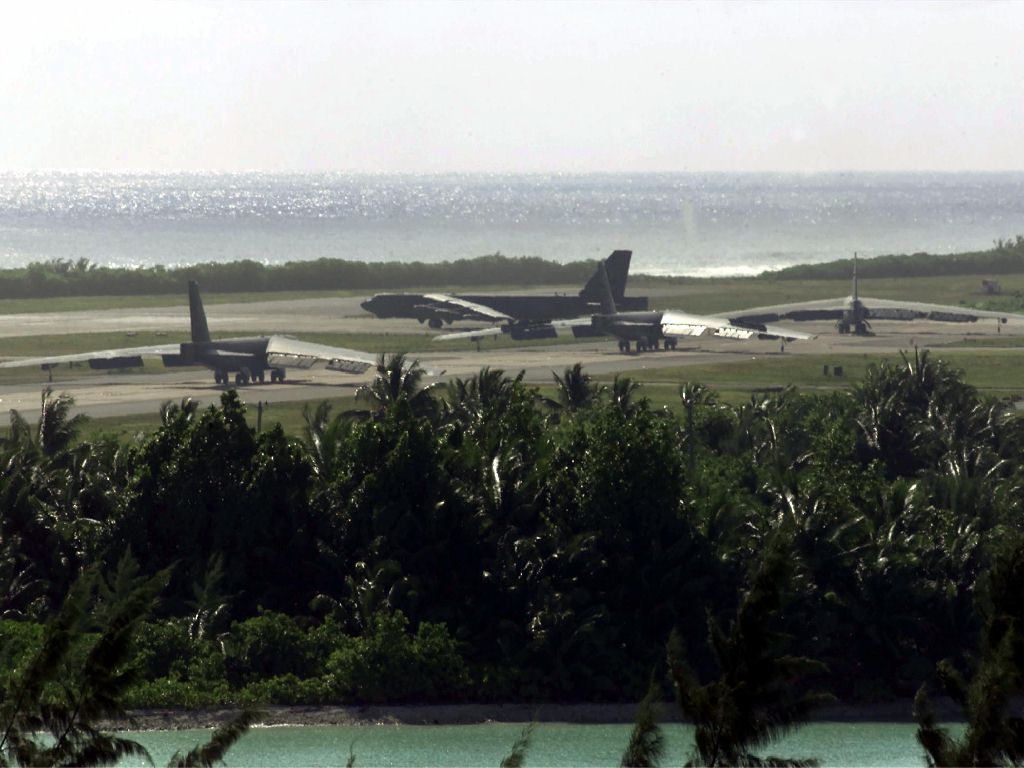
68, 277
477, 541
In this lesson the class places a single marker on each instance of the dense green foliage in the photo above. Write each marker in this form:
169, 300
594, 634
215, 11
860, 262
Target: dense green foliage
1006, 257
757, 696
483, 542
995, 730
69, 681
63, 277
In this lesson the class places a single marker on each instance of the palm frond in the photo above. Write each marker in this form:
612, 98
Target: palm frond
222, 739
517, 757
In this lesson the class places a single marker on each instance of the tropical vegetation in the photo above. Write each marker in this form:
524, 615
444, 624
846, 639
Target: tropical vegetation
480, 542
67, 277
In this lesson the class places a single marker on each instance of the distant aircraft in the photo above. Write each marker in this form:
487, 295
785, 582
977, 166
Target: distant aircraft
248, 358
853, 314
523, 316
649, 329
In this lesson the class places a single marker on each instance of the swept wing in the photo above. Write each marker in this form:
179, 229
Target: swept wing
578, 327
105, 358
875, 309
678, 324
465, 310
286, 352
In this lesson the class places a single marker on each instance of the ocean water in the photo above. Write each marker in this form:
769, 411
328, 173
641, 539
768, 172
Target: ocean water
696, 224
553, 744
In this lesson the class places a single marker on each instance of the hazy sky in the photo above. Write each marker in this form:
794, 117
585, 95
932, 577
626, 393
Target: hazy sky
522, 87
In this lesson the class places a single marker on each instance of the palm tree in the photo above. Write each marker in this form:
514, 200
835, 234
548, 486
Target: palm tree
470, 401
755, 700
622, 394
992, 736
184, 411
68, 713
324, 438
397, 379
693, 395
56, 431
576, 389
646, 741
54, 704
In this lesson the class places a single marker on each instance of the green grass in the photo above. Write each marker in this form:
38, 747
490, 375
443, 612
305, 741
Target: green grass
288, 415
995, 372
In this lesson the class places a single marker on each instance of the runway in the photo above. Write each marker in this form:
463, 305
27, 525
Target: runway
127, 393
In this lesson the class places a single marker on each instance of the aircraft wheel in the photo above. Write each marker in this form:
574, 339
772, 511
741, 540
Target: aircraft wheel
220, 377
654, 345
435, 323
623, 345
242, 377
280, 374
641, 345
258, 377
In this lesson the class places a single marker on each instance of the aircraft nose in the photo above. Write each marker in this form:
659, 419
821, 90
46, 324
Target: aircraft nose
367, 304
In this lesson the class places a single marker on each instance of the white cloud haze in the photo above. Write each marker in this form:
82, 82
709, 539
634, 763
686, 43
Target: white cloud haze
520, 87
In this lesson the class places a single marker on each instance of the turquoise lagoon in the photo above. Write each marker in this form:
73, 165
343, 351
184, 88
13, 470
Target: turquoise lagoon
553, 744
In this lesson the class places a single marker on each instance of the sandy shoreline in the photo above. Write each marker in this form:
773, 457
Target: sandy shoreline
471, 714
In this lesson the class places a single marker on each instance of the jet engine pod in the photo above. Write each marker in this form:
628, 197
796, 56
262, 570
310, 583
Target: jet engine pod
527, 332
115, 363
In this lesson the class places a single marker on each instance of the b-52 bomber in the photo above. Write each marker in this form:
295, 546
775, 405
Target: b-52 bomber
853, 314
249, 359
523, 316
650, 329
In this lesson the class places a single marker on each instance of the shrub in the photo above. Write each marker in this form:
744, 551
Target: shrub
285, 689
269, 645
18, 639
390, 664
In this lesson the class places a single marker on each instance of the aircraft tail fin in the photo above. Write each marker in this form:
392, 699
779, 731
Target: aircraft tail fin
855, 299
607, 300
616, 269
200, 331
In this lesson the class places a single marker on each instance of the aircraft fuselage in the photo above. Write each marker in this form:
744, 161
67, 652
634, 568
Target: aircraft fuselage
524, 308
245, 357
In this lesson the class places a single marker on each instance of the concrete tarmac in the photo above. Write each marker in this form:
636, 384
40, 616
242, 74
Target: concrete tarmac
125, 393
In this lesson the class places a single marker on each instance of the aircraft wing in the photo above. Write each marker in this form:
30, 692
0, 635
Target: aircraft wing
473, 335
679, 324
578, 327
286, 352
126, 357
877, 309
465, 310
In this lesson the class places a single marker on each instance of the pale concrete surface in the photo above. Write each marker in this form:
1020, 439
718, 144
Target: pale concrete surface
121, 393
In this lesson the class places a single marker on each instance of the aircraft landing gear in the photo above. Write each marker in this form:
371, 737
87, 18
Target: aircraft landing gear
242, 377
220, 377
276, 375
257, 377
435, 323
642, 345
624, 345
670, 343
